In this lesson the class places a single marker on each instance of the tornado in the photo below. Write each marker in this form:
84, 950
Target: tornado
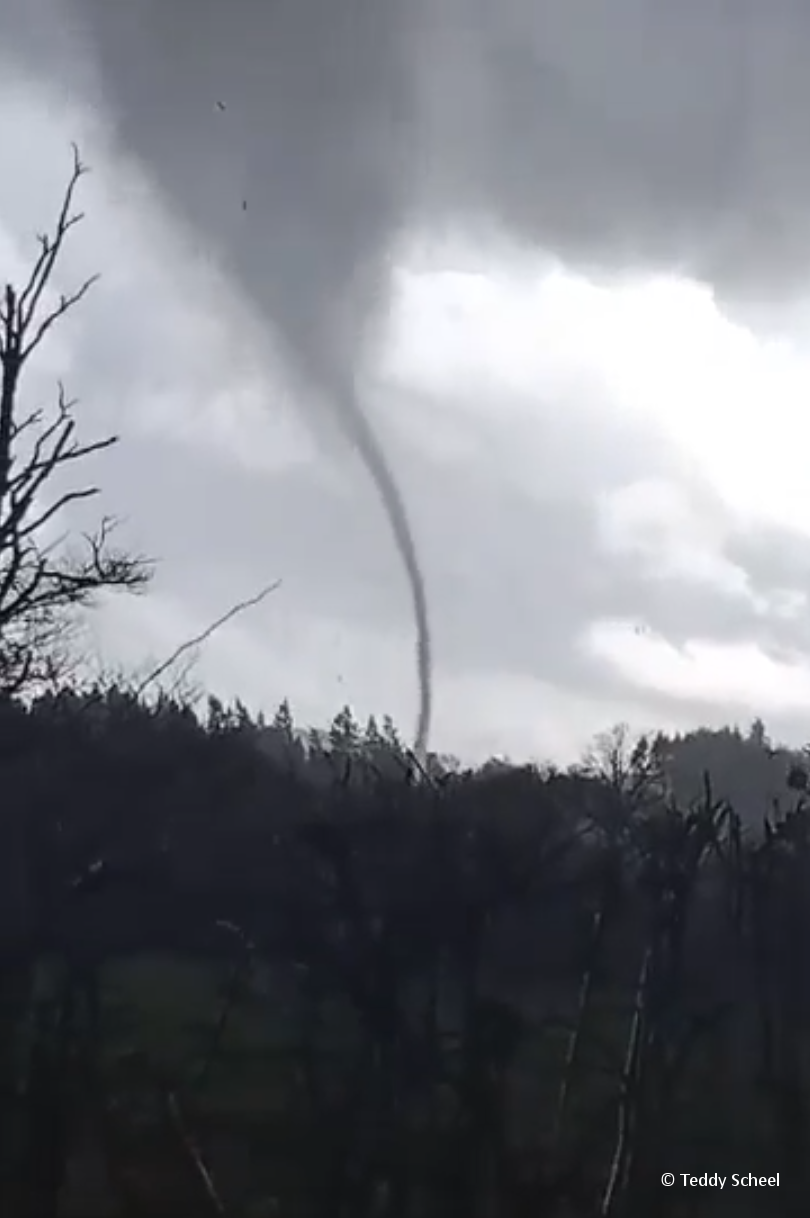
279, 133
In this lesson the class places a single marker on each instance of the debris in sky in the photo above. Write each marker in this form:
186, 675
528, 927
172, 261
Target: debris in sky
220, 105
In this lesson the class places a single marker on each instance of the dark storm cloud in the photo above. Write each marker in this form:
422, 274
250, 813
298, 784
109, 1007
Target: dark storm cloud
635, 131
625, 133
620, 134
299, 140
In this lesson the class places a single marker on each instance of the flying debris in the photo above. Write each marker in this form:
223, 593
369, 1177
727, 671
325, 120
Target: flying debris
220, 105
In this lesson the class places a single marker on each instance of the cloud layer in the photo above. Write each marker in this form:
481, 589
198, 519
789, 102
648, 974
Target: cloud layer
563, 261
641, 134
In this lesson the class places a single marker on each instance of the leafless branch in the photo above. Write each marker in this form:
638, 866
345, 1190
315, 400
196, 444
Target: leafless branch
204, 635
42, 582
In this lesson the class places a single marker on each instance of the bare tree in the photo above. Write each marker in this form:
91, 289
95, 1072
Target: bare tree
629, 765
43, 583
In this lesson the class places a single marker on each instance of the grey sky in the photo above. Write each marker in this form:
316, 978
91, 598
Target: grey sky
331, 226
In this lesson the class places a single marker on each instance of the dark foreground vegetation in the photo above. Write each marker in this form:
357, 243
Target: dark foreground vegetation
246, 971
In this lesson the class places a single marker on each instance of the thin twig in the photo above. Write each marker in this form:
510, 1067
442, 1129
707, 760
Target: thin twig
204, 635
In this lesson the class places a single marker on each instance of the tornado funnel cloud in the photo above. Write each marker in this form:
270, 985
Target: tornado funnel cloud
283, 135
373, 456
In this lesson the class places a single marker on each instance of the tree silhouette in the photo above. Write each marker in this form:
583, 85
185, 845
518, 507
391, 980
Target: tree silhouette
283, 721
344, 733
42, 583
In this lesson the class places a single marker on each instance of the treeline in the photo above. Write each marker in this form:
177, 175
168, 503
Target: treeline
500, 991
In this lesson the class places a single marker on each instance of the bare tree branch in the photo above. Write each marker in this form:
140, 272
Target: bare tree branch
42, 584
204, 635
